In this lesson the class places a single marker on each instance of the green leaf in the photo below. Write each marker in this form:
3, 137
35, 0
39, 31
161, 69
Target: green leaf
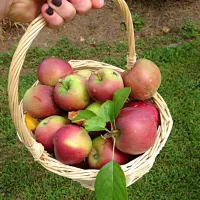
95, 123
84, 114
110, 183
120, 98
107, 111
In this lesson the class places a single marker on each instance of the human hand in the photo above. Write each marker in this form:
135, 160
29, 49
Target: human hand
56, 12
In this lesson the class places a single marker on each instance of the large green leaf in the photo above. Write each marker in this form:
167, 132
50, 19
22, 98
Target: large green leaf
110, 183
95, 123
120, 98
107, 111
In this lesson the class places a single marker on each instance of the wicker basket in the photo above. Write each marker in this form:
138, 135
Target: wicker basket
134, 169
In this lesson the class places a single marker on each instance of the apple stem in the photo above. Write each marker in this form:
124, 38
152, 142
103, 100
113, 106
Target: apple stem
128, 100
115, 131
108, 130
107, 135
113, 153
65, 86
114, 125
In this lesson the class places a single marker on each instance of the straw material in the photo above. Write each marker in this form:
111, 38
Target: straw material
134, 169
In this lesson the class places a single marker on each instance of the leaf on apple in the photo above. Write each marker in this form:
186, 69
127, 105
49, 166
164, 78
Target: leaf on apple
120, 98
83, 115
107, 111
95, 123
111, 183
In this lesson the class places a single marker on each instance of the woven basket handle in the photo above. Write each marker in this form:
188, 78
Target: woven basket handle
19, 57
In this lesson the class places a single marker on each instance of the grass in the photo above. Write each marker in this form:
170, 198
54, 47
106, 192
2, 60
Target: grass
138, 22
176, 169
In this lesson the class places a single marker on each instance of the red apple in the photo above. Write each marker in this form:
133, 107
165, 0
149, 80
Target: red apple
148, 107
51, 70
102, 153
104, 83
46, 130
72, 144
38, 102
144, 79
71, 93
137, 131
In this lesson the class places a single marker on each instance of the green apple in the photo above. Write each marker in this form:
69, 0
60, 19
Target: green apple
94, 107
71, 93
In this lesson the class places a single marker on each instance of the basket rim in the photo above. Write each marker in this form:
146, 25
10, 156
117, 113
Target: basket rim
44, 154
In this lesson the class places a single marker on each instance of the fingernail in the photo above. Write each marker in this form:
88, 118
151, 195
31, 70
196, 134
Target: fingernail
49, 11
57, 3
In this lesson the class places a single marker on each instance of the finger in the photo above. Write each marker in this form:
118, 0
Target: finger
63, 8
81, 6
53, 19
96, 4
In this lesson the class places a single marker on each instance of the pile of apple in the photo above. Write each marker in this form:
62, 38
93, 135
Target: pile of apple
63, 92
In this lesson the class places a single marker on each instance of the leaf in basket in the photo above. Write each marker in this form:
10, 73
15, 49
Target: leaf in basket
110, 183
107, 111
95, 123
120, 98
83, 114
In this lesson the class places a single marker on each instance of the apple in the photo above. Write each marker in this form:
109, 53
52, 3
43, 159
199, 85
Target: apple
51, 70
102, 153
103, 84
144, 79
85, 73
137, 131
149, 107
71, 93
72, 144
46, 130
94, 107
38, 102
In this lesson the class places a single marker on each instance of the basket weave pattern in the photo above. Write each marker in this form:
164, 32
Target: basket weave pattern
134, 169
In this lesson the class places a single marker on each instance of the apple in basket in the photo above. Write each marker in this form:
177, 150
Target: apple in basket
85, 72
144, 78
38, 102
102, 153
50, 70
72, 144
137, 131
95, 108
104, 83
148, 107
46, 130
71, 93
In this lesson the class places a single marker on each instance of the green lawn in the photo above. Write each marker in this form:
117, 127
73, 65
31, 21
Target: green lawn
175, 174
